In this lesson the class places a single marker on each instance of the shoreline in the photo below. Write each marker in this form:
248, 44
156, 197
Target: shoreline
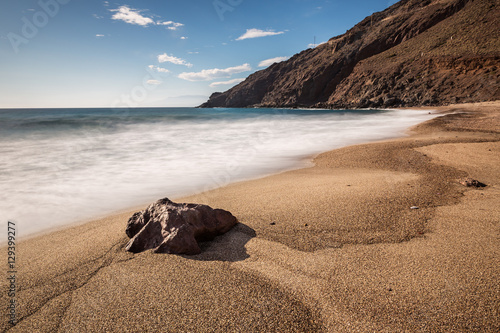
299, 162
345, 252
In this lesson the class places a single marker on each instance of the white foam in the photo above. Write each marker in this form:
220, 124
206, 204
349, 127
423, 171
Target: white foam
54, 180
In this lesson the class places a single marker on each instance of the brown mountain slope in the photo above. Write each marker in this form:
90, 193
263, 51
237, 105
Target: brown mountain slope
416, 52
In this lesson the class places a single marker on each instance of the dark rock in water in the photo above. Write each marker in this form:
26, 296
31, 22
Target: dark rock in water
469, 182
169, 227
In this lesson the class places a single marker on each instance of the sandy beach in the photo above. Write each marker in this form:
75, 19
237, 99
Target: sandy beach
335, 247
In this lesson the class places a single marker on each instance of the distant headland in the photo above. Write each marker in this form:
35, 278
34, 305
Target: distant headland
414, 53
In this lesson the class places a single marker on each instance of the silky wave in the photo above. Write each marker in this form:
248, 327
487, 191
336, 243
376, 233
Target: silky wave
63, 166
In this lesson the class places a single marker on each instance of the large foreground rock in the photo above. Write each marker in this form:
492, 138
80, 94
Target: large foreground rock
169, 227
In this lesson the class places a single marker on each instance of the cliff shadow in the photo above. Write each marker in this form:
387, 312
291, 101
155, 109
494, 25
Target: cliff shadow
227, 247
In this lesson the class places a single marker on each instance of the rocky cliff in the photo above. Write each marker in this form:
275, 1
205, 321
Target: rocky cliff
416, 52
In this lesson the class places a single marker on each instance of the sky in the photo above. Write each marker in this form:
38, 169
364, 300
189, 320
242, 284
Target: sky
164, 53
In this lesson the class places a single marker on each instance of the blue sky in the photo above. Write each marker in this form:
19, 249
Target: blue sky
94, 53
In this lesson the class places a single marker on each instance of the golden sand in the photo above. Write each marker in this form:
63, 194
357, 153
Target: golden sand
335, 247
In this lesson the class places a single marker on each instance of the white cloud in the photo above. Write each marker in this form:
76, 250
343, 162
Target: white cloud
132, 16
175, 26
171, 24
184, 37
254, 33
215, 73
158, 69
221, 83
269, 62
99, 35
155, 82
178, 61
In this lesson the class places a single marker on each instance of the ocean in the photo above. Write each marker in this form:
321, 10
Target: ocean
61, 166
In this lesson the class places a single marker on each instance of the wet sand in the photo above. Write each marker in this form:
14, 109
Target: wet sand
335, 248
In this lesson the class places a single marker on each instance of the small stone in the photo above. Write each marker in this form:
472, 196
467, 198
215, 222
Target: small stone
469, 182
272, 223
305, 224
414, 207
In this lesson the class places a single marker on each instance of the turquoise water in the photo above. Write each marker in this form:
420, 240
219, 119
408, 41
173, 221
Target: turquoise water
59, 166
